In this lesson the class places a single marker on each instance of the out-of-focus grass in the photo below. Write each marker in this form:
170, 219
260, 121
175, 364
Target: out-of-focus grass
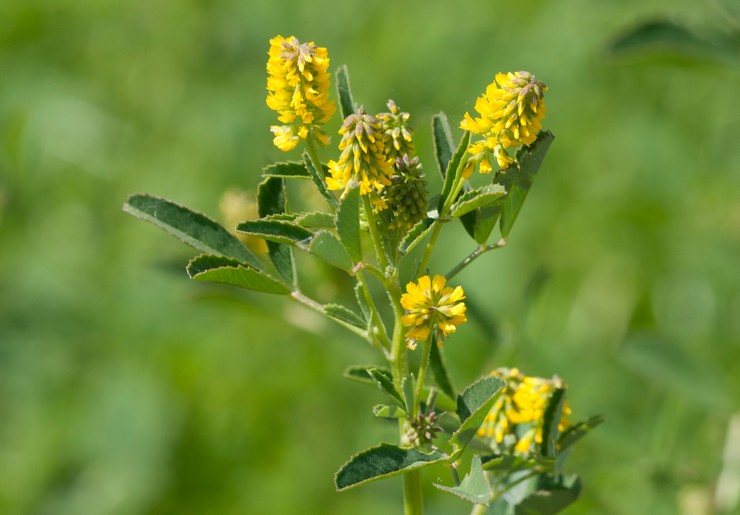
124, 388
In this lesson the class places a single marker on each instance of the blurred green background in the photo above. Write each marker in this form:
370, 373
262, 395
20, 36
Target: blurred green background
127, 389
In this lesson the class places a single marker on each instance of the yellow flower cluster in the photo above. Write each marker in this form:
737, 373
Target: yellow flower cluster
511, 112
298, 89
363, 161
517, 416
430, 306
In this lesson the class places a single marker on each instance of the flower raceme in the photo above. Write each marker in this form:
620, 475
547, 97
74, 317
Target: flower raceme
517, 416
430, 306
363, 160
298, 89
511, 112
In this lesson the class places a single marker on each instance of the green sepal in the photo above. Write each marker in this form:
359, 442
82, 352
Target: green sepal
386, 411
551, 497
219, 269
346, 104
360, 374
348, 223
474, 199
473, 404
195, 229
452, 168
577, 431
439, 369
474, 487
277, 231
319, 179
286, 170
381, 462
327, 247
518, 180
550, 423
345, 315
415, 235
510, 463
443, 143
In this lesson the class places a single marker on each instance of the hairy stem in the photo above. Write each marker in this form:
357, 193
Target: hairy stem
422, 372
473, 256
374, 233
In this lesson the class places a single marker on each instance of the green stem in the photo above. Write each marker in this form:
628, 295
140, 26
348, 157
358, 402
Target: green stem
473, 256
412, 494
428, 252
313, 152
374, 234
420, 381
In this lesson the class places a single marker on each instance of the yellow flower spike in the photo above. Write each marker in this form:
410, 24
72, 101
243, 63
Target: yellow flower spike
519, 412
298, 89
511, 112
432, 306
362, 161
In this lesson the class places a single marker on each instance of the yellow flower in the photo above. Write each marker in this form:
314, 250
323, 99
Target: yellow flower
298, 89
517, 417
363, 161
511, 112
431, 306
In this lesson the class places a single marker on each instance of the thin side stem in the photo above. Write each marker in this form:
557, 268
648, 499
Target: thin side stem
315, 306
428, 252
473, 256
422, 372
377, 322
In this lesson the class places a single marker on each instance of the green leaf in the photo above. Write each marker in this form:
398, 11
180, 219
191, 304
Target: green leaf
474, 486
348, 223
195, 229
551, 499
439, 369
360, 374
223, 270
550, 423
577, 431
452, 168
325, 246
319, 179
276, 231
384, 381
361, 301
385, 411
344, 314
381, 462
315, 220
665, 37
346, 104
473, 404
271, 201
408, 385
443, 142
510, 463
415, 235
286, 170
485, 221
473, 199
518, 181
